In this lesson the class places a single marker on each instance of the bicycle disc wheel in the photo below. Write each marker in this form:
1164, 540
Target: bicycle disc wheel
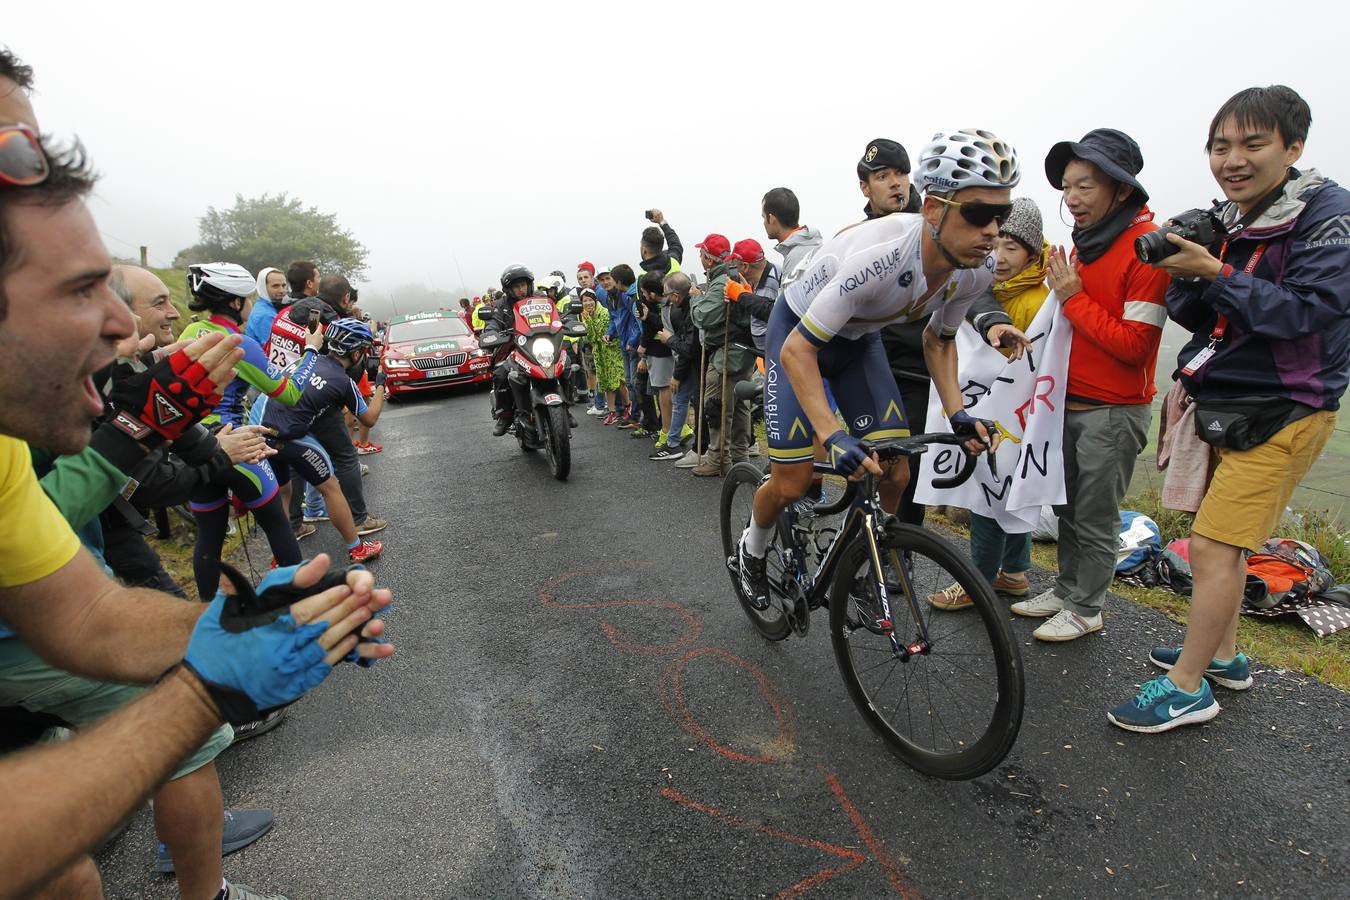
738, 495
952, 711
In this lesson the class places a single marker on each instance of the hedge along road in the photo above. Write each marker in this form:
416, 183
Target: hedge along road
578, 709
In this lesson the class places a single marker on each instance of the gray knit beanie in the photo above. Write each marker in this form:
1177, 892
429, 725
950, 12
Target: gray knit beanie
1024, 225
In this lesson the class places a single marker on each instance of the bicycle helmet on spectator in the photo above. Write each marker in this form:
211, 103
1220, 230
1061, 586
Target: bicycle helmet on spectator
348, 335
967, 158
516, 272
217, 283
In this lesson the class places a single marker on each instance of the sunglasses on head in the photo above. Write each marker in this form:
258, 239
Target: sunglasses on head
979, 213
22, 162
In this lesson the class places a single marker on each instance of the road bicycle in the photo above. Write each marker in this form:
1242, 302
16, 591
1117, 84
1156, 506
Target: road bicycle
943, 689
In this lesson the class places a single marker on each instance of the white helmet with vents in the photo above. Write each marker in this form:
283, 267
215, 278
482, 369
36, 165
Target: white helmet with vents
967, 158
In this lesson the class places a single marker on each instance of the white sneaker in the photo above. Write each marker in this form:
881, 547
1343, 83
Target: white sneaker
592, 411
688, 461
1040, 606
754, 450
1067, 626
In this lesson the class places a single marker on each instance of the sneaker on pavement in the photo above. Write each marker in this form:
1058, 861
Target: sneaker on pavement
594, 411
628, 424
305, 530
1018, 585
367, 448
316, 517
372, 524
665, 453
258, 726
1040, 606
366, 551
707, 470
610, 419
242, 827
754, 576
1161, 706
950, 598
688, 461
244, 892
754, 450
1234, 674
1067, 625
686, 432
501, 428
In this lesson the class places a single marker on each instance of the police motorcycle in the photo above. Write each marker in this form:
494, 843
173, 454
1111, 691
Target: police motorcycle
539, 375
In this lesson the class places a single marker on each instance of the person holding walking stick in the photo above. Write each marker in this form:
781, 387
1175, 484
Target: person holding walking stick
724, 326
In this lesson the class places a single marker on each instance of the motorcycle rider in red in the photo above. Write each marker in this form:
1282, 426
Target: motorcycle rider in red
517, 284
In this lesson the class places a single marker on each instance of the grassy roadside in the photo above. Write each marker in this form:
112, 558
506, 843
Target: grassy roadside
176, 551
1284, 643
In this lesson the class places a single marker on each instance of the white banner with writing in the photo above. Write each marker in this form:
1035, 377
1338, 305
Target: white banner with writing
1026, 398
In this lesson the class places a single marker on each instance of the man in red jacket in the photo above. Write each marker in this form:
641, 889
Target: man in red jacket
1115, 304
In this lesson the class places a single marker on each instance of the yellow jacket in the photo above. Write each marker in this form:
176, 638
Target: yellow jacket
1021, 296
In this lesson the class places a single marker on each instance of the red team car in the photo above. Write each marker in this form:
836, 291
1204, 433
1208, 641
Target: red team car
429, 350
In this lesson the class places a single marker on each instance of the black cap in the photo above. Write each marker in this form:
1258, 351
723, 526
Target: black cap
1112, 151
883, 153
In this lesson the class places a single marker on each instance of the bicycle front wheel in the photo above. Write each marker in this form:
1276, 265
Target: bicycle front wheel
949, 701
738, 497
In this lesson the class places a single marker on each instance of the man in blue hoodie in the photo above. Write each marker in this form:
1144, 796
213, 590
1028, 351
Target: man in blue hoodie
271, 294
1268, 305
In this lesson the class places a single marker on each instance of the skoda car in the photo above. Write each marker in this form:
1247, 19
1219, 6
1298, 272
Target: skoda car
430, 350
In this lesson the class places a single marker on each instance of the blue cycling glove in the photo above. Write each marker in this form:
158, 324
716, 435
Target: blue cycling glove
248, 651
963, 426
846, 452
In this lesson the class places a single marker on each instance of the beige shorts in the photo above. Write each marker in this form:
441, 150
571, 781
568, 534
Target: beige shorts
1250, 488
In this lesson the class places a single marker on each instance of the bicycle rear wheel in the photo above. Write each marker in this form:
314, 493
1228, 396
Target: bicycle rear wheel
952, 710
738, 495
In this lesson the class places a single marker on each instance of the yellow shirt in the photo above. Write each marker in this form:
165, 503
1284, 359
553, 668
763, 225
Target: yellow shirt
35, 540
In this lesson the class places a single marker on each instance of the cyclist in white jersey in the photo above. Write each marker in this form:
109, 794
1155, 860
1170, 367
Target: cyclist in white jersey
897, 268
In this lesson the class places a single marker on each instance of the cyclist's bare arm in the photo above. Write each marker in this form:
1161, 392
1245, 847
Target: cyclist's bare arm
940, 355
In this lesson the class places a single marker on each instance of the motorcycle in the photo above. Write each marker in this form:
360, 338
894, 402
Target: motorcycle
540, 376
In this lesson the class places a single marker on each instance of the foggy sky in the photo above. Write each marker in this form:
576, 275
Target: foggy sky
472, 136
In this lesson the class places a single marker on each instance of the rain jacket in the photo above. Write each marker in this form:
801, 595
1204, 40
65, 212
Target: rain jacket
797, 249
1021, 296
624, 326
1288, 329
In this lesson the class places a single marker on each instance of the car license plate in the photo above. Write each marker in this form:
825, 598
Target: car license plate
441, 373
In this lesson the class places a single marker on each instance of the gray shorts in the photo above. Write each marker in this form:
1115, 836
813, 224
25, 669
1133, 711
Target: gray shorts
659, 371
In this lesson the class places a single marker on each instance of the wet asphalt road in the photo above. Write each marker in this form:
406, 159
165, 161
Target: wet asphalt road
579, 709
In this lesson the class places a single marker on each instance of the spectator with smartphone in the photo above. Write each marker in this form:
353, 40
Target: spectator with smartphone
660, 248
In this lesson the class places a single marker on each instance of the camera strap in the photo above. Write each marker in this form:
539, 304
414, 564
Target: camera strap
1221, 323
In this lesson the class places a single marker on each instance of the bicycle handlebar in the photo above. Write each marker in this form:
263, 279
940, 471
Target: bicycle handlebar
893, 448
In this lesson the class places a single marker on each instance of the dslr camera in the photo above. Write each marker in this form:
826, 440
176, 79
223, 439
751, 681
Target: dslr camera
1200, 226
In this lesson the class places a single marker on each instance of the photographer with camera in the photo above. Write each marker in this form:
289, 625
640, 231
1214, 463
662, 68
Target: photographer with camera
1263, 282
1115, 304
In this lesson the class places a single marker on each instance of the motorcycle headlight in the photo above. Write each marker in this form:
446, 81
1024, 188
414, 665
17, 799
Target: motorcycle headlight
543, 350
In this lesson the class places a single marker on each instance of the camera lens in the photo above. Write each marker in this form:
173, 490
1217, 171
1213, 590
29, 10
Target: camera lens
1154, 246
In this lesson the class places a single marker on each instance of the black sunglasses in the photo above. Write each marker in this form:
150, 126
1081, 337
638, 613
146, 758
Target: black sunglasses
979, 213
22, 162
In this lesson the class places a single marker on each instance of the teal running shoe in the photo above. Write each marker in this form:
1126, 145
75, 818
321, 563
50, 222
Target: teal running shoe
1161, 706
1234, 674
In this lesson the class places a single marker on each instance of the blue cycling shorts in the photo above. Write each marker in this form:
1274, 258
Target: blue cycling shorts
856, 373
305, 457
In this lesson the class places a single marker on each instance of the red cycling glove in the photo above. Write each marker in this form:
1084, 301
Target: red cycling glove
161, 403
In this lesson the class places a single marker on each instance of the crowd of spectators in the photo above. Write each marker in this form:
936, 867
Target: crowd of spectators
113, 684
106, 413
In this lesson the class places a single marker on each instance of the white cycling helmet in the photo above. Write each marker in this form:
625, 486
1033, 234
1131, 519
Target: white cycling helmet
550, 282
218, 282
967, 158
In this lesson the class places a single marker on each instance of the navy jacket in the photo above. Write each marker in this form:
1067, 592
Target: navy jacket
1288, 329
